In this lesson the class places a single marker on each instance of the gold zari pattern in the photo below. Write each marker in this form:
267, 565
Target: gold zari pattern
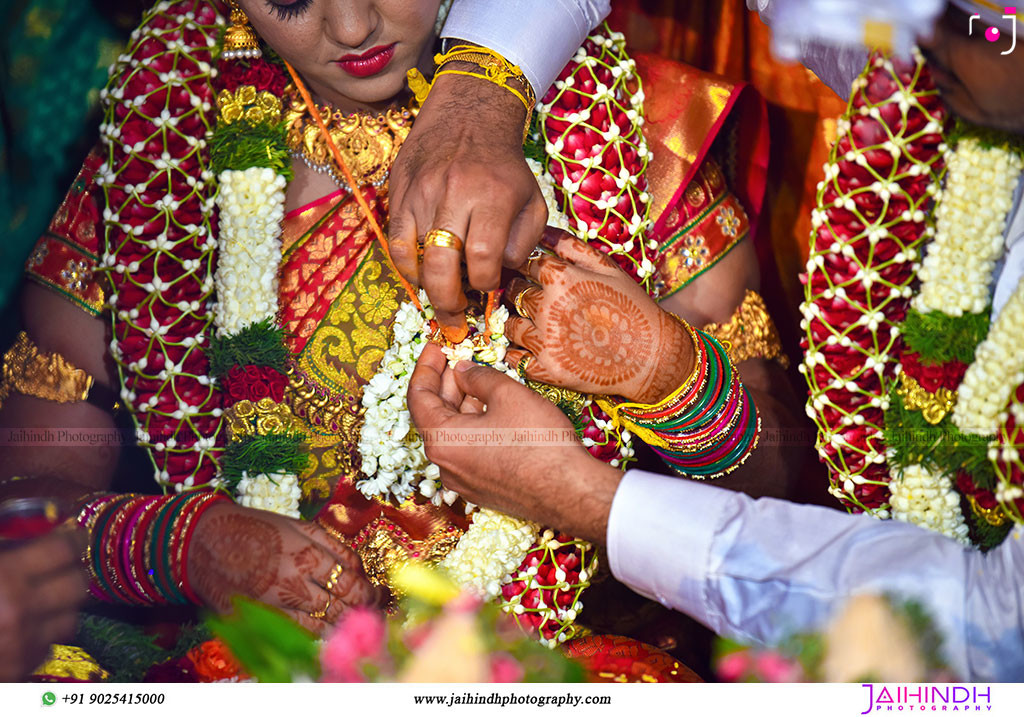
383, 546
368, 143
48, 376
68, 663
749, 333
248, 104
246, 418
933, 406
320, 409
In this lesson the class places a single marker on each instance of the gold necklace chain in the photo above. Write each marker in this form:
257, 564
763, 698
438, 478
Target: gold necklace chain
368, 142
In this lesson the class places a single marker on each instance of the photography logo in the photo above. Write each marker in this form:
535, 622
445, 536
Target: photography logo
993, 34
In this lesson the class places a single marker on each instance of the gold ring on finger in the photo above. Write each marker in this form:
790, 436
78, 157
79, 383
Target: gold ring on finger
518, 303
523, 363
534, 256
321, 614
442, 238
336, 572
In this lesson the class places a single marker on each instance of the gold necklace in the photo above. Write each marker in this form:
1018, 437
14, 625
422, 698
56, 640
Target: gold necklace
368, 143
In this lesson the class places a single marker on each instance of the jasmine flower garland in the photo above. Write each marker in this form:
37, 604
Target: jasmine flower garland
489, 551
928, 500
997, 370
956, 273
251, 204
263, 453
394, 461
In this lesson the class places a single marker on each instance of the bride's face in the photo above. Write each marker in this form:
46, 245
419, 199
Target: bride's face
352, 53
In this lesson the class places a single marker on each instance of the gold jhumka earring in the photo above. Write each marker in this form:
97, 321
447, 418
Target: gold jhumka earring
240, 40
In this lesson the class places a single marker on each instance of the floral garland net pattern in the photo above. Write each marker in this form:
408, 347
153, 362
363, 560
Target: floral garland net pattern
908, 382
160, 237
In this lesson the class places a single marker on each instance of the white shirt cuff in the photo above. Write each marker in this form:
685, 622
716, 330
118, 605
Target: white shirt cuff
660, 535
540, 37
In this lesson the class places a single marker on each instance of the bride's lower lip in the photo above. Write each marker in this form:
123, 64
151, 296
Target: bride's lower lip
369, 64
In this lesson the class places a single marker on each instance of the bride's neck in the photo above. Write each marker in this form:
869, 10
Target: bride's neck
349, 106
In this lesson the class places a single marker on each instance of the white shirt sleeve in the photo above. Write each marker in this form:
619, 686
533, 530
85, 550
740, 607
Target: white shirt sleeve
837, 67
760, 570
540, 36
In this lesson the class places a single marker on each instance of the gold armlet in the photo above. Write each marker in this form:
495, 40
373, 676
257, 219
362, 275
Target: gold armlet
48, 376
750, 333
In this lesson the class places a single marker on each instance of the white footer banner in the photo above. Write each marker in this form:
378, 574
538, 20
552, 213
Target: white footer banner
411, 700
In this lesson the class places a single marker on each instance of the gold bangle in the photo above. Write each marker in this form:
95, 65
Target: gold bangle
495, 69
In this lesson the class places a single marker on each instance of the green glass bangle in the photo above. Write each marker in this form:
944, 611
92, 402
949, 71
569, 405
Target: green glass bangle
721, 378
98, 539
159, 548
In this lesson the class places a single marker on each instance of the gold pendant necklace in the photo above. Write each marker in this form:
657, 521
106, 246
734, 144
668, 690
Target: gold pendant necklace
368, 142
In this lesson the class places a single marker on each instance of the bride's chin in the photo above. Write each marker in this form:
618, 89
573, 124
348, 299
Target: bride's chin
374, 92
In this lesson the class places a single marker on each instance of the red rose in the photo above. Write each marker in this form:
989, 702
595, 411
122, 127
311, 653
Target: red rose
254, 383
234, 385
932, 377
176, 670
256, 386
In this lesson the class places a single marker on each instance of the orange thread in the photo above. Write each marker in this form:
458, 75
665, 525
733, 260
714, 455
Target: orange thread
491, 298
356, 192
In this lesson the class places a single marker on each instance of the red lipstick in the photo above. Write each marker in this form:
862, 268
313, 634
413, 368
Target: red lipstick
369, 63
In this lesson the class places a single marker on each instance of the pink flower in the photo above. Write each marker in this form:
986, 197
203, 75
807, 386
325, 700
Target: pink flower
504, 668
734, 666
773, 667
358, 637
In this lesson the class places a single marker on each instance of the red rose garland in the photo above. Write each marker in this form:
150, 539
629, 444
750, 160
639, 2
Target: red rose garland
544, 594
159, 245
591, 121
873, 214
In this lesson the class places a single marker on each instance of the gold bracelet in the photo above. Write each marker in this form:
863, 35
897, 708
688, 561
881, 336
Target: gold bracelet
495, 69
48, 376
749, 332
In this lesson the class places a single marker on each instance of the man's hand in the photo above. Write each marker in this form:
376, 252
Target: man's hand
462, 169
278, 561
520, 456
41, 587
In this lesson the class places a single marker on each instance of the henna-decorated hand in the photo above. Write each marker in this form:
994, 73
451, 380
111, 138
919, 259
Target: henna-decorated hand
276, 560
591, 328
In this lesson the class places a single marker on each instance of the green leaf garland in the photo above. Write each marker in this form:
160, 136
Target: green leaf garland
259, 344
941, 448
273, 453
940, 338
